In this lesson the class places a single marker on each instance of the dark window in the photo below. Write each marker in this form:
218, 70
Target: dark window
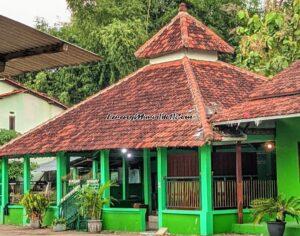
12, 122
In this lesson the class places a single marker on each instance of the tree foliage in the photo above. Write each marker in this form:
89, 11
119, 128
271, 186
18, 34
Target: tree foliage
115, 29
7, 135
269, 42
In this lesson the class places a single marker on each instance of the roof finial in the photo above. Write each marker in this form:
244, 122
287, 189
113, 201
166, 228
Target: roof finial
182, 7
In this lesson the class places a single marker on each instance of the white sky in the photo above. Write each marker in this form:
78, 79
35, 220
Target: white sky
26, 11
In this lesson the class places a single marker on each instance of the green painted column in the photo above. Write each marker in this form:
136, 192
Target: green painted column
206, 225
26, 174
95, 168
147, 178
104, 170
161, 175
26, 182
4, 186
74, 173
61, 171
125, 187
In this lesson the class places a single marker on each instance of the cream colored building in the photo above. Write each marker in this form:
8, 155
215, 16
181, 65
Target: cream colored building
22, 109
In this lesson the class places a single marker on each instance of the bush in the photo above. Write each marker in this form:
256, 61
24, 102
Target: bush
35, 205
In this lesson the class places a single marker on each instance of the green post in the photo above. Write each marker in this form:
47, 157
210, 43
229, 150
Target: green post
4, 186
206, 225
95, 169
104, 165
161, 175
147, 178
61, 171
26, 182
26, 174
125, 188
74, 172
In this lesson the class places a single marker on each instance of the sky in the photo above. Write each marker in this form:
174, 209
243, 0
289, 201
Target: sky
26, 11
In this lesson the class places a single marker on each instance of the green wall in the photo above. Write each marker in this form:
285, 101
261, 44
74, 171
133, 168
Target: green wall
225, 219
124, 219
287, 159
182, 223
50, 215
15, 216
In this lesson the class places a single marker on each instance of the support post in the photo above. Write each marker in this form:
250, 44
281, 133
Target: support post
104, 165
74, 173
161, 175
239, 182
4, 186
61, 171
95, 168
206, 226
147, 178
26, 174
125, 188
26, 182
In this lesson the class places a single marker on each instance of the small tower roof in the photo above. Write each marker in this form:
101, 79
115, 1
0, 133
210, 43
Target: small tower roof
183, 32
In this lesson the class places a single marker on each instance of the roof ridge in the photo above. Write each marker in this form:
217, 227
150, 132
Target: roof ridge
149, 41
184, 30
75, 106
198, 99
13, 92
34, 92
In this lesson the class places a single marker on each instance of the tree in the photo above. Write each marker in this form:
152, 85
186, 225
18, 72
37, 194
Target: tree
7, 135
269, 42
115, 29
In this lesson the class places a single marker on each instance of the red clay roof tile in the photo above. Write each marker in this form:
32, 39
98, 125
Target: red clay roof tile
276, 97
171, 87
24, 89
183, 32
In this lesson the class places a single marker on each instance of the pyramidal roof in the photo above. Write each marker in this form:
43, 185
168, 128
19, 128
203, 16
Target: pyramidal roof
183, 32
163, 104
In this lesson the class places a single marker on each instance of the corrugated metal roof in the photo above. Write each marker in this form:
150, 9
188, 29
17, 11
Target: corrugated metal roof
26, 50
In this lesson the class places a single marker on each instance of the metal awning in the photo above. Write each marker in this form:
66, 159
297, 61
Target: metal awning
25, 49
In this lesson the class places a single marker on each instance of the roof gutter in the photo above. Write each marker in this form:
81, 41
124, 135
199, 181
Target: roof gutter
256, 120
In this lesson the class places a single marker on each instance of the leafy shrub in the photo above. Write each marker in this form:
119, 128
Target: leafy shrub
35, 205
276, 208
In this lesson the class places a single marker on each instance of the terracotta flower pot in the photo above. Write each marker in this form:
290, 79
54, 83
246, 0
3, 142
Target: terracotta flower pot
276, 228
94, 226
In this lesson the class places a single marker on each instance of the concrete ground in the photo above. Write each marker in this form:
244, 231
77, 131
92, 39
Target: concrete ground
8, 230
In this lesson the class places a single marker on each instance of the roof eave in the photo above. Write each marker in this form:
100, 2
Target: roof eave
256, 120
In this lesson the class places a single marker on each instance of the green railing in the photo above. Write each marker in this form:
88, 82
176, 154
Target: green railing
69, 208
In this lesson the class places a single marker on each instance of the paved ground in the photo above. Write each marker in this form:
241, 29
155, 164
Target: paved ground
8, 230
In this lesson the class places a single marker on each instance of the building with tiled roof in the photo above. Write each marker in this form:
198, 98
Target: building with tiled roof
276, 98
159, 134
22, 109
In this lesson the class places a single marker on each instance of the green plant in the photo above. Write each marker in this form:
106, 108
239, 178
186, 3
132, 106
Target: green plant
59, 221
7, 135
276, 208
91, 201
15, 169
35, 205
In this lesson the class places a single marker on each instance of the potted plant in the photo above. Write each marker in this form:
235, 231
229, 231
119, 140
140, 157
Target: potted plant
35, 205
91, 201
59, 224
277, 209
